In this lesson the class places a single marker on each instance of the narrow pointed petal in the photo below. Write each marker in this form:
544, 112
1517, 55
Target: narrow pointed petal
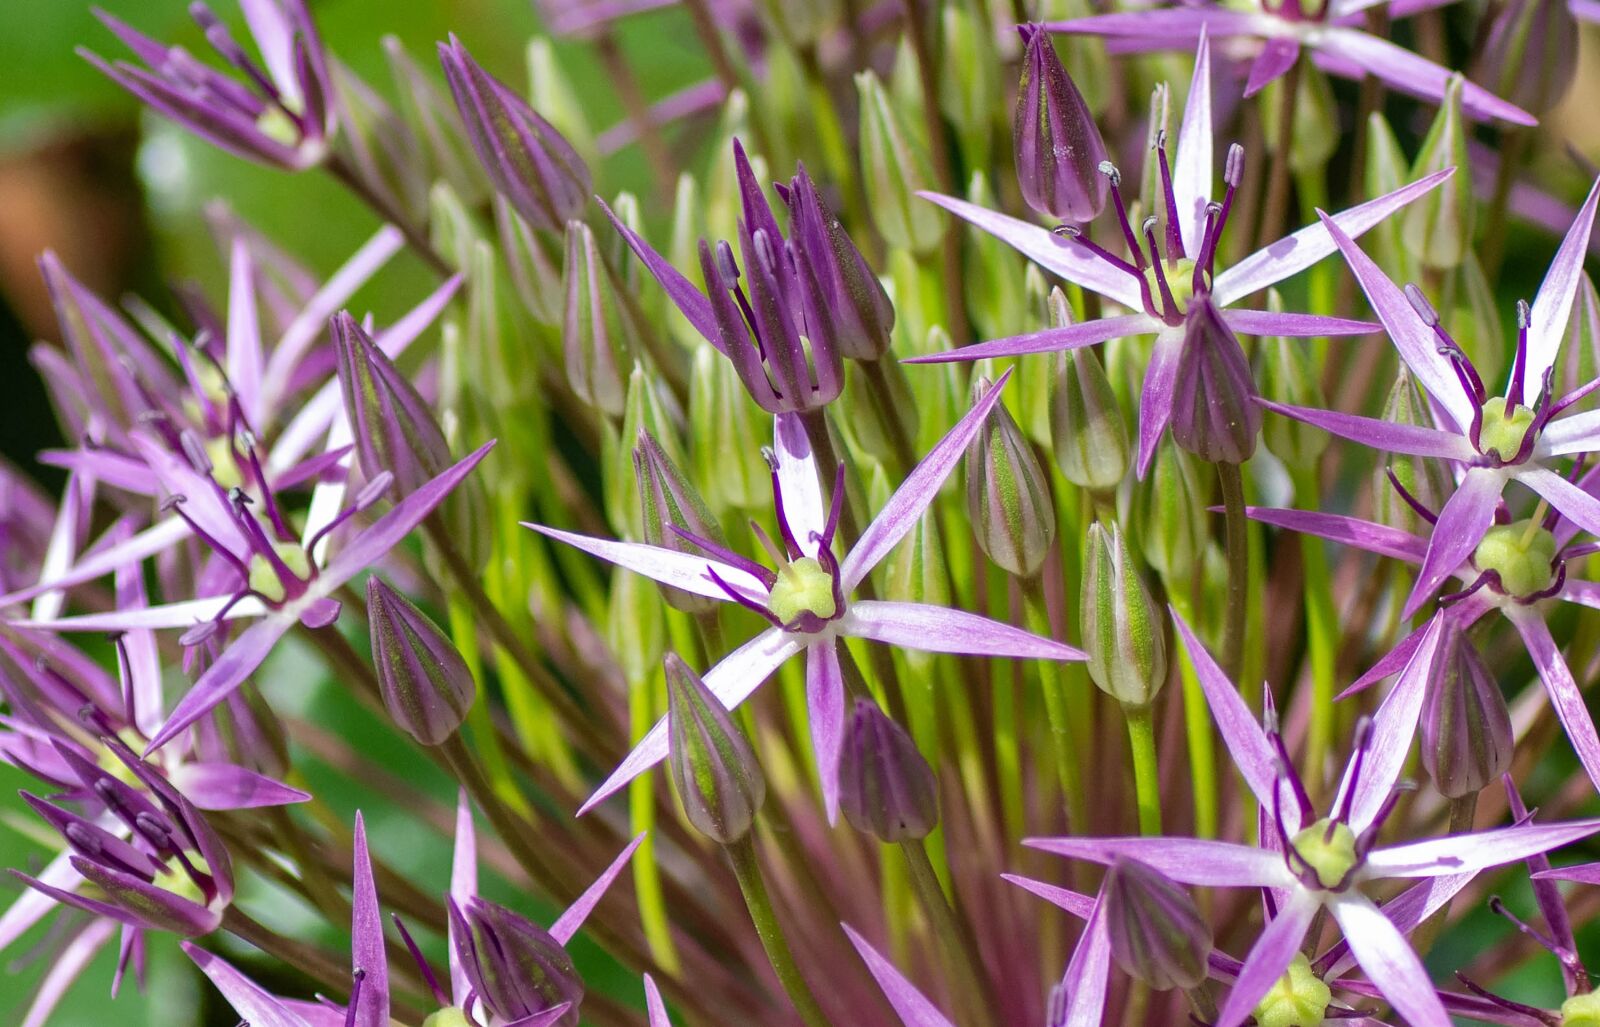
463, 886
1088, 973
1575, 504
1269, 957
1050, 340
1155, 399
803, 505
570, 921
1393, 728
909, 1004
1185, 860
1192, 166
1295, 326
224, 786
1056, 254
689, 300
1565, 698
1252, 753
1463, 522
1276, 57
366, 938
1404, 71
938, 629
237, 662
1457, 854
1582, 873
1386, 436
185, 614
1076, 903
247, 998
1217, 22
655, 1009
1350, 531
157, 538
732, 680
899, 515
1565, 436
1406, 910
545, 1018
825, 711
245, 360
681, 570
1389, 961
1552, 305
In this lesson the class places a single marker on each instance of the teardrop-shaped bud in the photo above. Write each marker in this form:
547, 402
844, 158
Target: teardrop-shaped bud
1008, 493
730, 477
670, 505
1438, 227
1287, 377
1466, 729
1425, 480
1214, 411
434, 123
528, 161
896, 165
886, 787
597, 332
517, 968
1087, 432
426, 685
1531, 54
1123, 629
1057, 144
854, 305
1174, 539
1157, 934
719, 782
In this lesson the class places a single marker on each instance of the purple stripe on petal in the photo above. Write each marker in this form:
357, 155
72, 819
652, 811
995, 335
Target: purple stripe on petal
1575, 504
668, 566
1565, 698
1552, 305
1076, 903
1088, 973
226, 674
1185, 860
803, 505
825, 712
938, 629
1255, 757
224, 786
1194, 163
1295, 326
1155, 398
1386, 436
1404, 71
1457, 854
1269, 957
247, 997
1276, 57
1350, 531
1583, 873
1579, 433
366, 938
689, 300
1393, 728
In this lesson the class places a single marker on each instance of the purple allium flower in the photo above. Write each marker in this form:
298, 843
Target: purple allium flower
1280, 31
1308, 863
282, 114
1494, 439
1172, 279
805, 598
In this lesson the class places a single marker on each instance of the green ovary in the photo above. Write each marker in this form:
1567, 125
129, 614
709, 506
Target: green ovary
1522, 553
1504, 427
264, 576
1581, 1011
450, 1016
1298, 999
1332, 854
803, 586
1180, 280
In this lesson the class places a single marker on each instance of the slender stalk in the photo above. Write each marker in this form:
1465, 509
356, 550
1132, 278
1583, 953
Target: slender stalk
308, 959
1057, 708
642, 820
416, 235
889, 413
747, 868
961, 962
1276, 203
827, 461
1238, 566
1463, 810
1322, 637
1146, 780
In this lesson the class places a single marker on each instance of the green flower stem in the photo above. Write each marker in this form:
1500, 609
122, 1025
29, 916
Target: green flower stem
1197, 726
1322, 636
1238, 567
1463, 810
642, 816
889, 413
1058, 706
961, 963
480, 718
747, 868
416, 235
1146, 780
1276, 203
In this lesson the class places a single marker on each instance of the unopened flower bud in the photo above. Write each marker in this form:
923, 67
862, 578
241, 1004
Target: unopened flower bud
1174, 539
1214, 411
645, 409
516, 968
1057, 144
1466, 728
426, 685
718, 779
894, 159
1157, 934
670, 504
1438, 227
1426, 481
854, 309
1287, 377
1531, 54
886, 787
1087, 432
730, 477
1008, 493
532, 261
528, 161
1123, 630
597, 332
433, 122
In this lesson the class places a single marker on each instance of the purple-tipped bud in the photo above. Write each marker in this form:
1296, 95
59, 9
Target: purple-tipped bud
886, 787
1466, 728
1057, 144
1214, 411
516, 968
848, 297
597, 332
1123, 629
1157, 934
1531, 54
529, 162
672, 507
1008, 493
718, 779
426, 685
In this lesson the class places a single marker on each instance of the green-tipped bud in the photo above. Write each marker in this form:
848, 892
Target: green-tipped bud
431, 114
1008, 493
597, 332
1173, 539
1438, 226
886, 788
1286, 376
1123, 630
670, 504
894, 159
644, 410
533, 260
1387, 169
1531, 54
1310, 142
1466, 728
1157, 934
969, 88
1087, 433
1423, 479
426, 685
718, 779
731, 477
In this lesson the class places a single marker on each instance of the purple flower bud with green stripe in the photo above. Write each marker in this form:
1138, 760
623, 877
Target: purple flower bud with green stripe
1008, 493
426, 685
886, 787
1467, 739
1057, 144
1157, 933
718, 778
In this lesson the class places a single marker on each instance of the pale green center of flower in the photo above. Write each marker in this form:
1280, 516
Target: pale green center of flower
1504, 426
1180, 280
803, 586
1581, 1011
277, 126
1298, 999
264, 576
450, 1016
1522, 553
1330, 853
111, 766
224, 467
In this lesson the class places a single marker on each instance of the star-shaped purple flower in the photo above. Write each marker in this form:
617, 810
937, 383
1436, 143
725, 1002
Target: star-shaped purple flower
805, 600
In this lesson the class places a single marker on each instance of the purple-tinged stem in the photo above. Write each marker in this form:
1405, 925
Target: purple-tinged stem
1234, 524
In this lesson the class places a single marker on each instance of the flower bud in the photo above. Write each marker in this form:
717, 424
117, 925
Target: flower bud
886, 788
970, 86
1466, 728
516, 968
1438, 226
1214, 412
1057, 144
895, 162
1531, 54
1123, 630
646, 409
555, 95
854, 306
1008, 494
597, 332
731, 477
718, 779
1087, 433
669, 503
1287, 377
1427, 482
1157, 934
1174, 539
433, 121
532, 260
524, 156
426, 685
